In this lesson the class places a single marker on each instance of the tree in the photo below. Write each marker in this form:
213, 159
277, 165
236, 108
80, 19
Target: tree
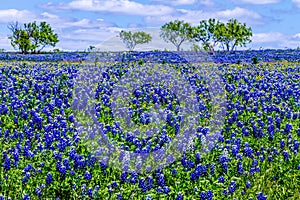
233, 34
20, 38
32, 37
176, 32
132, 39
205, 33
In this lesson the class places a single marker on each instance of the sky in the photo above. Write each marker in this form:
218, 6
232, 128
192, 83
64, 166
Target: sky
82, 23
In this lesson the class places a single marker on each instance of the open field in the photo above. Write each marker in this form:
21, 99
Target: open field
51, 148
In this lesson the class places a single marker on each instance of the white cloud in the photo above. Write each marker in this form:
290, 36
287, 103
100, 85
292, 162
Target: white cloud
93, 35
274, 40
297, 36
267, 37
13, 15
297, 2
260, 2
73, 33
186, 2
177, 2
194, 16
113, 6
49, 15
4, 43
238, 13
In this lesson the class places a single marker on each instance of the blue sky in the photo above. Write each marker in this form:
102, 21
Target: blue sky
81, 23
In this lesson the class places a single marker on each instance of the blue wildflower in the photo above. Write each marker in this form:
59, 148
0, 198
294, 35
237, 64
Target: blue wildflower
232, 187
49, 178
87, 175
285, 155
261, 196
209, 195
221, 179
179, 196
203, 195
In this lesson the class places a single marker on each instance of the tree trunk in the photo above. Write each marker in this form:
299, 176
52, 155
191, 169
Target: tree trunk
227, 47
211, 49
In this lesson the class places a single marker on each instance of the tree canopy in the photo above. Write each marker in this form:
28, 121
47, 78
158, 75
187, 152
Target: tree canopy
233, 34
32, 37
132, 39
205, 33
230, 35
176, 32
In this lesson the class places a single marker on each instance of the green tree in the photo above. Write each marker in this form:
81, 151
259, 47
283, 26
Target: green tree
132, 39
32, 38
233, 34
20, 38
176, 32
205, 33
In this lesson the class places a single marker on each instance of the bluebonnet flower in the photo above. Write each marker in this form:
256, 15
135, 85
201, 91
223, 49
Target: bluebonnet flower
232, 187
123, 177
6, 163
198, 157
254, 163
87, 175
174, 171
161, 180
270, 158
49, 178
26, 178
26, 197
212, 168
261, 158
285, 155
288, 128
261, 196
240, 168
149, 182
74, 186
209, 195
90, 192
276, 151
248, 184
203, 195
66, 163
179, 196
248, 151
133, 177
235, 150
166, 189
296, 145
72, 172
221, 179
38, 192
142, 184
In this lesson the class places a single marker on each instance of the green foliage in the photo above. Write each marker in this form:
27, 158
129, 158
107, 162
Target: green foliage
195, 47
32, 37
176, 32
56, 50
230, 35
233, 34
205, 33
132, 39
254, 60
